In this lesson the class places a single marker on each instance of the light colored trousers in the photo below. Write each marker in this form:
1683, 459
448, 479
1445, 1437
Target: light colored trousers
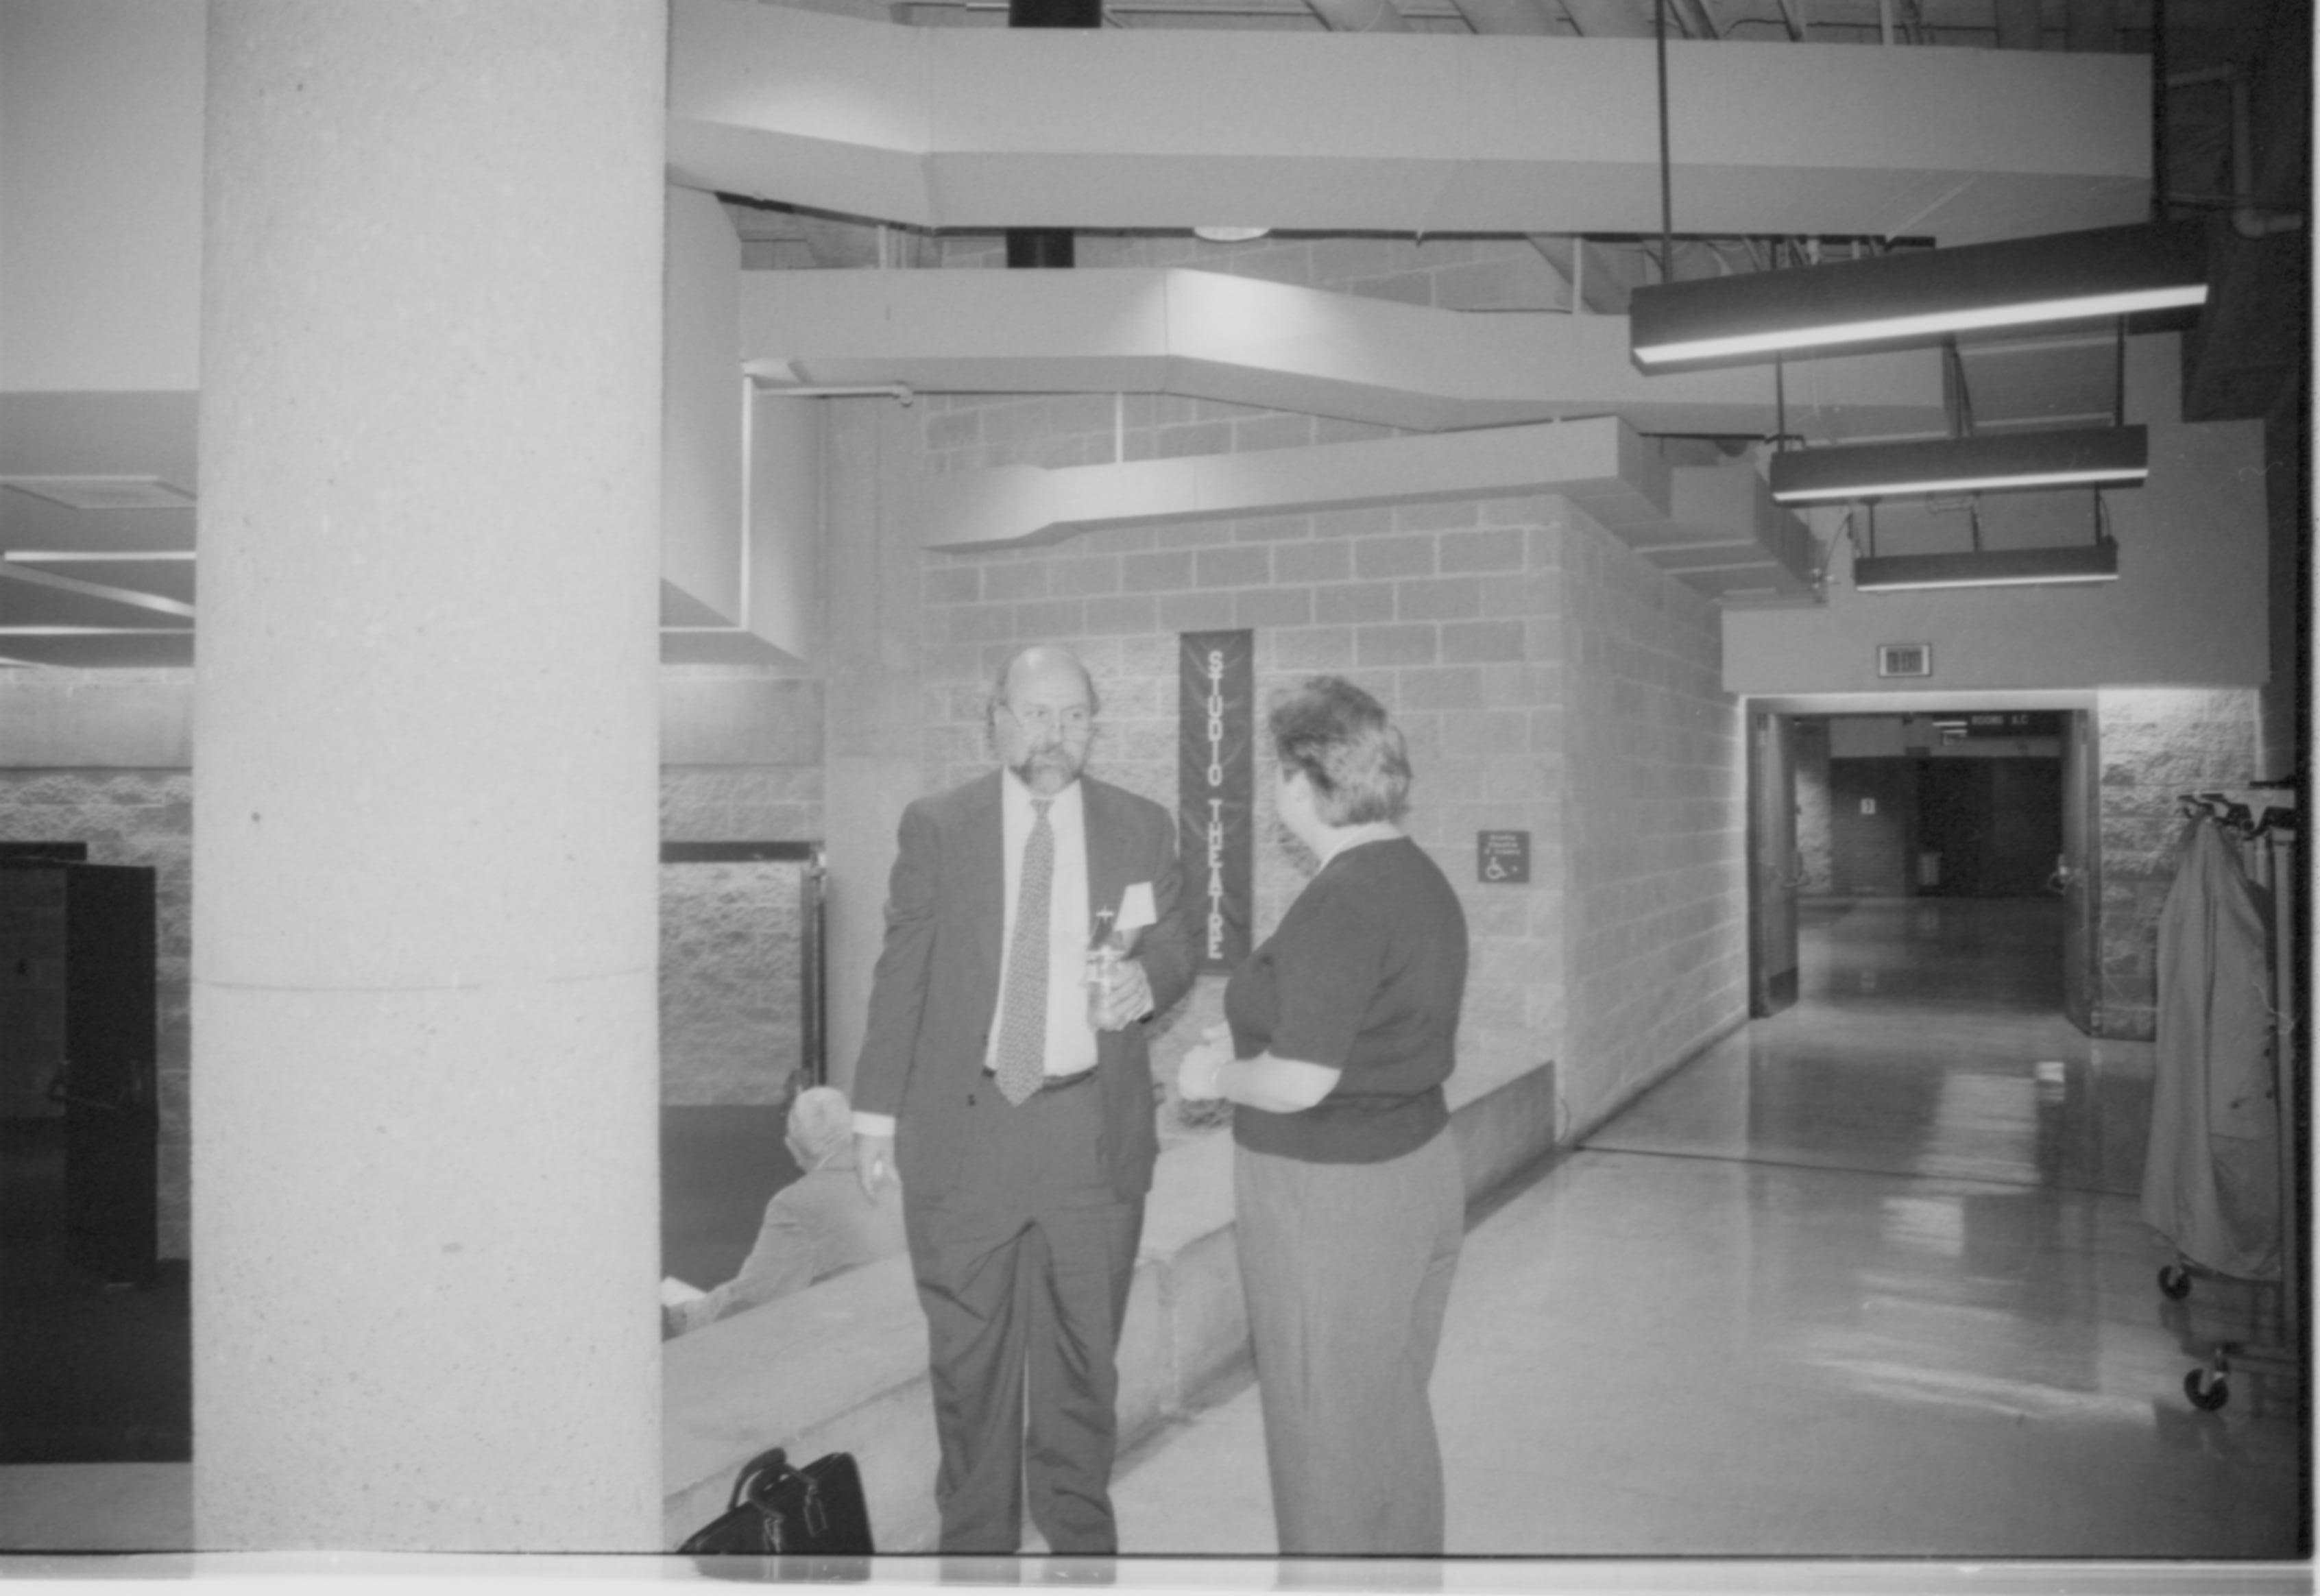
1346, 1270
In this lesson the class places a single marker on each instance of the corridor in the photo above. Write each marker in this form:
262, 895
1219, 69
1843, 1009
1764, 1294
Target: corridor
1868, 1279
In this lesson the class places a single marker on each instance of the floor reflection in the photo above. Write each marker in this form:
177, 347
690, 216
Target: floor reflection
1927, 1040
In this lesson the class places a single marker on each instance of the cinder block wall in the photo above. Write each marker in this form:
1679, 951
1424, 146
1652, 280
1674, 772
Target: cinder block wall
1431, 608
2154, 745
1548, 680
732, 1018
1654, 825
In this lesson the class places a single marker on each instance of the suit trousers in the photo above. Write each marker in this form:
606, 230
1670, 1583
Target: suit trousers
1023, 1271
1346, 1270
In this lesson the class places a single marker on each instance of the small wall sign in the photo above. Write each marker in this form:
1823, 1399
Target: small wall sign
1502, 858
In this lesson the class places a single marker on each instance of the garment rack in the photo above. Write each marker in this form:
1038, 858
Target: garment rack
2269, 851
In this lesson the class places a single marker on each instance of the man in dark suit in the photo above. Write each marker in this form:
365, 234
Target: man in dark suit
1015, 1102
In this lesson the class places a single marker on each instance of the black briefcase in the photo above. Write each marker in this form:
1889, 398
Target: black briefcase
780, 1511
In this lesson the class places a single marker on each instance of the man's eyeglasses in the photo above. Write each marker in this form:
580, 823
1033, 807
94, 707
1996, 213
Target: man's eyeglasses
1041, 718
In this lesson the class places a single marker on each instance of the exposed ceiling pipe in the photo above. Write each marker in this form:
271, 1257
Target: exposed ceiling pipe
1360, 16
901, 393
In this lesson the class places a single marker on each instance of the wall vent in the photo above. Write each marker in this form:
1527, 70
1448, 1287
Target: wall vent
1904, 659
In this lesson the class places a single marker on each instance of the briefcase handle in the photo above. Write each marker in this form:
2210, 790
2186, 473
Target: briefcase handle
769, 1470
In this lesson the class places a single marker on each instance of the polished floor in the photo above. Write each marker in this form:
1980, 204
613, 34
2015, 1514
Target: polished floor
1860, 1299
1867, 1280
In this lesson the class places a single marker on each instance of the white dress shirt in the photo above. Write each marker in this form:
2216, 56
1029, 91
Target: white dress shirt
1071, 1040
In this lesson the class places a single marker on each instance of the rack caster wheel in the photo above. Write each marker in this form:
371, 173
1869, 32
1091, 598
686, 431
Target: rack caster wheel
2175, 1280
2207, 1389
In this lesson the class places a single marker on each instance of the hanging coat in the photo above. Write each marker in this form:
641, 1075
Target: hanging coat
2211, 1174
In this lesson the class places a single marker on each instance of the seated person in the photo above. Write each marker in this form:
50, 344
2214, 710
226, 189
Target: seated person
816, 1226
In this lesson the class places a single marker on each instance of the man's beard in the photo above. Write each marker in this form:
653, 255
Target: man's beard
1051, 761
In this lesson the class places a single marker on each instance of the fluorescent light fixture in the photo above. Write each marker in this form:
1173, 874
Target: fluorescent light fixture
2080, 456
1230, 235
1987, 567
82, 557
1919, 297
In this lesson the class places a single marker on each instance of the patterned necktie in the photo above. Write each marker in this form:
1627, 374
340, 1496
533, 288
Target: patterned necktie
1023, 1007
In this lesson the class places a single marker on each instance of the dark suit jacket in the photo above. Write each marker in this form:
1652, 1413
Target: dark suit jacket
936, 985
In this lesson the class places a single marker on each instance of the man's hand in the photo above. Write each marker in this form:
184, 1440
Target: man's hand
1197, 1076
873, 1163
1128, 999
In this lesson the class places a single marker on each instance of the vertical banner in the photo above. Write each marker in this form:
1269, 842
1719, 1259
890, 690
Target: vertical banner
1215, 789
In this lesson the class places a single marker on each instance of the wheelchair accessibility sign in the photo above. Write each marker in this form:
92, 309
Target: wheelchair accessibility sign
1502, 858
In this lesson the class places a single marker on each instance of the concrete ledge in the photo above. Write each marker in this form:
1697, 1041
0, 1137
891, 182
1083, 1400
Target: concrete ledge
843, 1366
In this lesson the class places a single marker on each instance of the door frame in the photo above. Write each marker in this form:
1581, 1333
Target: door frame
2079, 870
1772, 874
2079, 705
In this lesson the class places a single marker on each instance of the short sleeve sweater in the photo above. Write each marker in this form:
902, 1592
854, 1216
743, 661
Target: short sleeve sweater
1364, 975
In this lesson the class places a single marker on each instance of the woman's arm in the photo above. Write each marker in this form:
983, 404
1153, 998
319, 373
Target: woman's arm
1275, 1084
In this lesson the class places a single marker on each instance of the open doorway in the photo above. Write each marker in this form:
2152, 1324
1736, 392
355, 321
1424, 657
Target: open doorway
1965, 805
741, 1033
95, 1325
1991, 805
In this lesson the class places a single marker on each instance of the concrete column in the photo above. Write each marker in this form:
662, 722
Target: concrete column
875, 620
425, 1223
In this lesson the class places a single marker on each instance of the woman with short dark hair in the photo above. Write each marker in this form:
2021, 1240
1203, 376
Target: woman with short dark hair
1342, 1027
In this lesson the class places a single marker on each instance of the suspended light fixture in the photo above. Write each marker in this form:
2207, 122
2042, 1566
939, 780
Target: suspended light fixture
1987, 567
2080, 456
1230, 235
1920, 297
1977, 566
